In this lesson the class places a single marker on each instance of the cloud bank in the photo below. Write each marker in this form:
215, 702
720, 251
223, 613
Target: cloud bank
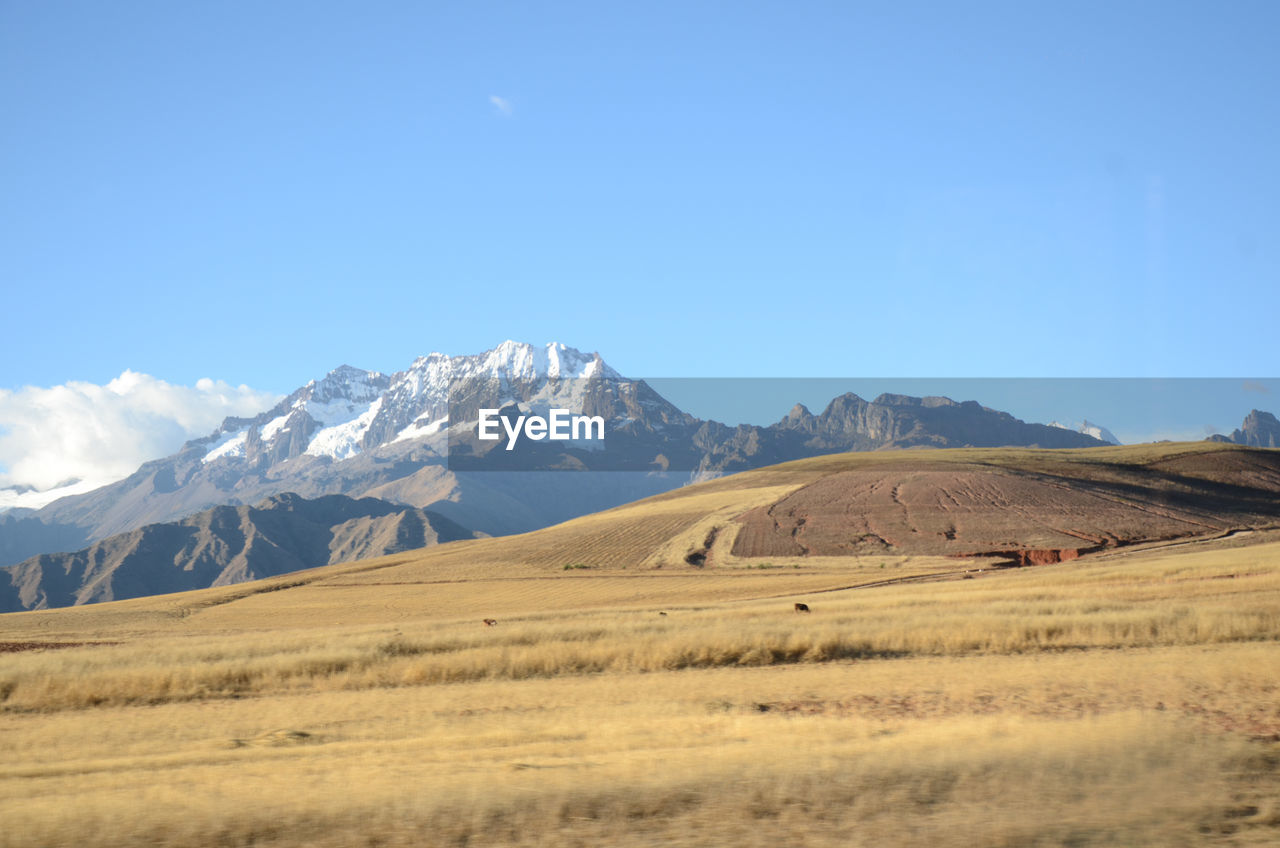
96, 435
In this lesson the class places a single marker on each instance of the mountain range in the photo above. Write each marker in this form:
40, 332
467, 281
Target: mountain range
408, 441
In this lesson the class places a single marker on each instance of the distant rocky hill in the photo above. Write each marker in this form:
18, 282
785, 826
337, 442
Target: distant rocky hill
221, 546
901, 421
850, 423
1259, 430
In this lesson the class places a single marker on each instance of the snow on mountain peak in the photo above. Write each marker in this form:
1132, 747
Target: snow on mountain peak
344, 439
348, 383
355, 408
1096, 430
555, 360
1099, 432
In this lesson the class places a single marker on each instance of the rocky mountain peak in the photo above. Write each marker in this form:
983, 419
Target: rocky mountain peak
927, 402
348, 381
1258, 420
1259, 430
523, 362
283, 501
799, 412
351, 410
887, 399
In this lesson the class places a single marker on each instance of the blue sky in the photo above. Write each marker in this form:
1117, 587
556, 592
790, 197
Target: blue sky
258, 192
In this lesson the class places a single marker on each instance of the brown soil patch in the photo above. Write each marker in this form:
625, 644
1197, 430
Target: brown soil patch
1028, 517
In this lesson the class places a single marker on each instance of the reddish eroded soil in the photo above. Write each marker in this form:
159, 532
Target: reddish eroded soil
1029, 517
1037, 556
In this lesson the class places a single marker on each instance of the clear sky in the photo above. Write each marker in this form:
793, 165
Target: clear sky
256, 192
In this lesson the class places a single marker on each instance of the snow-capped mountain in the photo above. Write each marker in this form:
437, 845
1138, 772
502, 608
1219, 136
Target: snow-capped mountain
29, 497
363, 433
327, 417
350, 410
1097, 431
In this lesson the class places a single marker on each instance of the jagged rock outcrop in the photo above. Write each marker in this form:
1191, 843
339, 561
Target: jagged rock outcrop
900, 421
1259, 430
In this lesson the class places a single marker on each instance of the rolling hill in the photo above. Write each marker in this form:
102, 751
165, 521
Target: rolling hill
1003, 503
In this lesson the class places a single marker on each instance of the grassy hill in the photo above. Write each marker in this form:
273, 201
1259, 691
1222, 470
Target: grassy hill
1126, 697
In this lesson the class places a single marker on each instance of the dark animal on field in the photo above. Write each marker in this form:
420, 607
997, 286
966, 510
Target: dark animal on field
803, 608
489, 622
662, 613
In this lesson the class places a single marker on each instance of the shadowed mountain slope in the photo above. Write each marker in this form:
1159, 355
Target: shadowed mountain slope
222, 546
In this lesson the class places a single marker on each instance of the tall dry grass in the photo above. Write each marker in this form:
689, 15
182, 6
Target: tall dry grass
633, 759
1229, 597
1131, 702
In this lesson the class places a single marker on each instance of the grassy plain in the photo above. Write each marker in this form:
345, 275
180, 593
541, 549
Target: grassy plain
1125, 699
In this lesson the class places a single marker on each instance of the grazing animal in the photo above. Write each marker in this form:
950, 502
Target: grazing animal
803, 608
489, 622
661, 613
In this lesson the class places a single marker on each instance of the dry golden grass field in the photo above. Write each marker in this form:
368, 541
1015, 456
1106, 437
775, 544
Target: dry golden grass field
1130, 697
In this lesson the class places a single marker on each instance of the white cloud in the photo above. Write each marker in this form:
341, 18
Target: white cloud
503, 105
99, 434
